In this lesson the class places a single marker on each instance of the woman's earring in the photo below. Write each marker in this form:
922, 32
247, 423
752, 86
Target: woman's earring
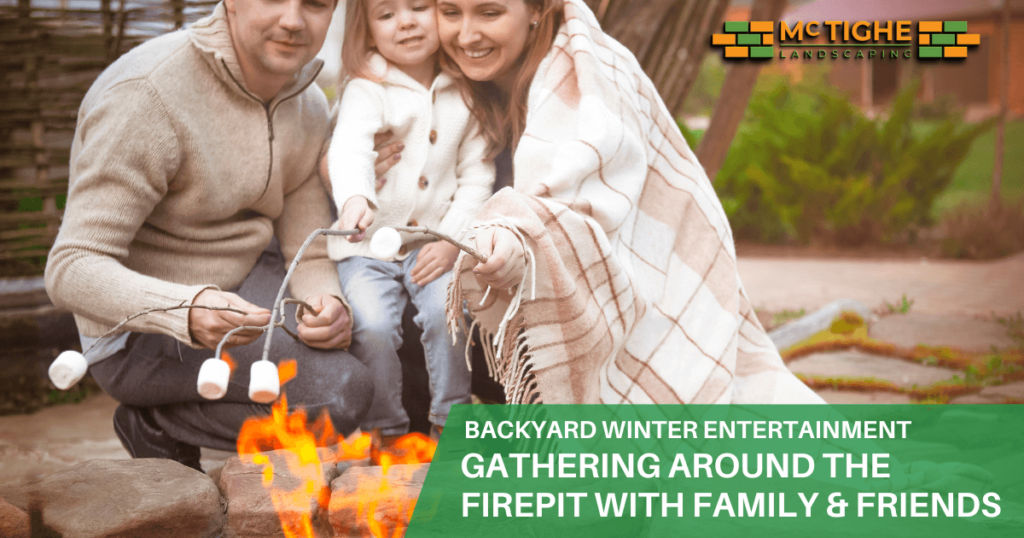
533, 25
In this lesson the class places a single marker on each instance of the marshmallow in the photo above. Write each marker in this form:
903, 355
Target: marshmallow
385, 243
213, 379
68, 369
264, 385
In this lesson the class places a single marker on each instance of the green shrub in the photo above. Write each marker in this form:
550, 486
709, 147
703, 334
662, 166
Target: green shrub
706, 89
807, 165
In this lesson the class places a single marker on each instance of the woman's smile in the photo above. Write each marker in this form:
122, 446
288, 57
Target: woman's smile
484, 37
477, 54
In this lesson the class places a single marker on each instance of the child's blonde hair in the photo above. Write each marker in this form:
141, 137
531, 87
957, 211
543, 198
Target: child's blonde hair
357, 43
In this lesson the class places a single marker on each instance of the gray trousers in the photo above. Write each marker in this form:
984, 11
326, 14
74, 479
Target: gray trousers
158, 372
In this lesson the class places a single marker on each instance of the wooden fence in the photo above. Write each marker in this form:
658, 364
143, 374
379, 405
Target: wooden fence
51, 51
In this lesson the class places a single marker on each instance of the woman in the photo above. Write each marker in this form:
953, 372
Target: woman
612, 257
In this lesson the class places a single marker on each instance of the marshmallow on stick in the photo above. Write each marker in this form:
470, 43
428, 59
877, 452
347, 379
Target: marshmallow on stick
212, 382
264, 383
386, 242
68, 369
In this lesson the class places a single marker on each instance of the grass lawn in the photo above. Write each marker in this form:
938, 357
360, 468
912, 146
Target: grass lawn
973, 181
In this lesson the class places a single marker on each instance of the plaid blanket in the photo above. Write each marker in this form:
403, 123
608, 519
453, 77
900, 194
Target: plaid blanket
631, 293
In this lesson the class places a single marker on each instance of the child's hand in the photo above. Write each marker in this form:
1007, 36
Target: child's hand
506, 261
356, 214
434, 260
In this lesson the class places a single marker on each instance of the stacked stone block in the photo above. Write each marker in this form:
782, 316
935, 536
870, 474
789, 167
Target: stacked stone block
947, 39
743, 39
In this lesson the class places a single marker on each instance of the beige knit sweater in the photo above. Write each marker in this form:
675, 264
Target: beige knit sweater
179, 179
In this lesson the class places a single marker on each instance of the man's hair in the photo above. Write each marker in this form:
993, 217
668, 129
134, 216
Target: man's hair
503, 117
356, 45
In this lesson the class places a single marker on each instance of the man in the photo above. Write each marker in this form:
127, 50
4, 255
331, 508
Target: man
191, 153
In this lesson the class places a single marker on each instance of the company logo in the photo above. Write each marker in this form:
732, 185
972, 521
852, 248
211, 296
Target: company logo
857, 40
948, 39
744, 39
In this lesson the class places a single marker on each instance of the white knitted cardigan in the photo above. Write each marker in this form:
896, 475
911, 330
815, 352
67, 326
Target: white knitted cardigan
443, 178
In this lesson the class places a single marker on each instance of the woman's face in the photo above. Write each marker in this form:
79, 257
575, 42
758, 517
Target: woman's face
484, 37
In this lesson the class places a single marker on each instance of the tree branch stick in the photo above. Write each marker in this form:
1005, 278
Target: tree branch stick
288, 276
461, 246
220, 346
168, 309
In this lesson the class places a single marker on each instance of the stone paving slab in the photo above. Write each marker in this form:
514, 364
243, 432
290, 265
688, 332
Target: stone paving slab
855, 363
937, 286
833, 396
963, 332
57, 438
993, 395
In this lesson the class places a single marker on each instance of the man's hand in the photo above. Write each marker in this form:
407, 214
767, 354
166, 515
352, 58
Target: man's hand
356, 214
208, 327
434, 260
506, 261
329, 327
389, 152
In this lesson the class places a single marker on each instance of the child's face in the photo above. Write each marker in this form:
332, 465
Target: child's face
404, 31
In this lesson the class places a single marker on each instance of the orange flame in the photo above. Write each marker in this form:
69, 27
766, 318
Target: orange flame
226, 357
306, 449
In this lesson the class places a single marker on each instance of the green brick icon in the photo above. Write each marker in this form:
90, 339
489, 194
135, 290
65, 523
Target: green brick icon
929, 52
737, 26
761, 52
954, 26
944, 39
748, 39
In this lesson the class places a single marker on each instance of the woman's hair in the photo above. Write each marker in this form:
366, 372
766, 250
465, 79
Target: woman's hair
356, 45
502, 116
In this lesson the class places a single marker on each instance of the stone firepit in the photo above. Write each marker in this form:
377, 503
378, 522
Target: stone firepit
158, 498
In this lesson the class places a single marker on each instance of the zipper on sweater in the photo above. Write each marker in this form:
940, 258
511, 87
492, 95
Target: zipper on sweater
270, 115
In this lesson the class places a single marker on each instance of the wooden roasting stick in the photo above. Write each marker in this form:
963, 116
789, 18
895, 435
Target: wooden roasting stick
461, 246
70, 366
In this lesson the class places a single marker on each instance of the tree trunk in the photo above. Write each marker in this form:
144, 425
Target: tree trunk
668, 37
732, 103
1004, 105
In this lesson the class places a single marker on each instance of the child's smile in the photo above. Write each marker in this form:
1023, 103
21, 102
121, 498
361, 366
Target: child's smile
405, 33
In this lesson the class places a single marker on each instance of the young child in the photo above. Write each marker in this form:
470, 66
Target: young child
389, 53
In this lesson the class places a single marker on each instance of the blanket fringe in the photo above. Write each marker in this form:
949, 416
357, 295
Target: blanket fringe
505, 350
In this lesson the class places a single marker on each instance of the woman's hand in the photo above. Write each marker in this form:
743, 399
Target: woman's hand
506, 261
356, 214
434, 260
389, 152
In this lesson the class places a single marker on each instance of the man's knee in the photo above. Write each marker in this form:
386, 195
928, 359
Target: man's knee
344, 386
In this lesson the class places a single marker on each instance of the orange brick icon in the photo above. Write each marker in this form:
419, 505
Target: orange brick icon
737, 52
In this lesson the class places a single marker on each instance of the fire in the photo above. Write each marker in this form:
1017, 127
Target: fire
305, 450
226, 357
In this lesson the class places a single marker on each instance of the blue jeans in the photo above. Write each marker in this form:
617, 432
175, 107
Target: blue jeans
378, 292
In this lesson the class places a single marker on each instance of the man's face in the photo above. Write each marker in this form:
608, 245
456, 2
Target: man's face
276, 38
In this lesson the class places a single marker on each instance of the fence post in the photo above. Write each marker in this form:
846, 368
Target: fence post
108, 26
178, 6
